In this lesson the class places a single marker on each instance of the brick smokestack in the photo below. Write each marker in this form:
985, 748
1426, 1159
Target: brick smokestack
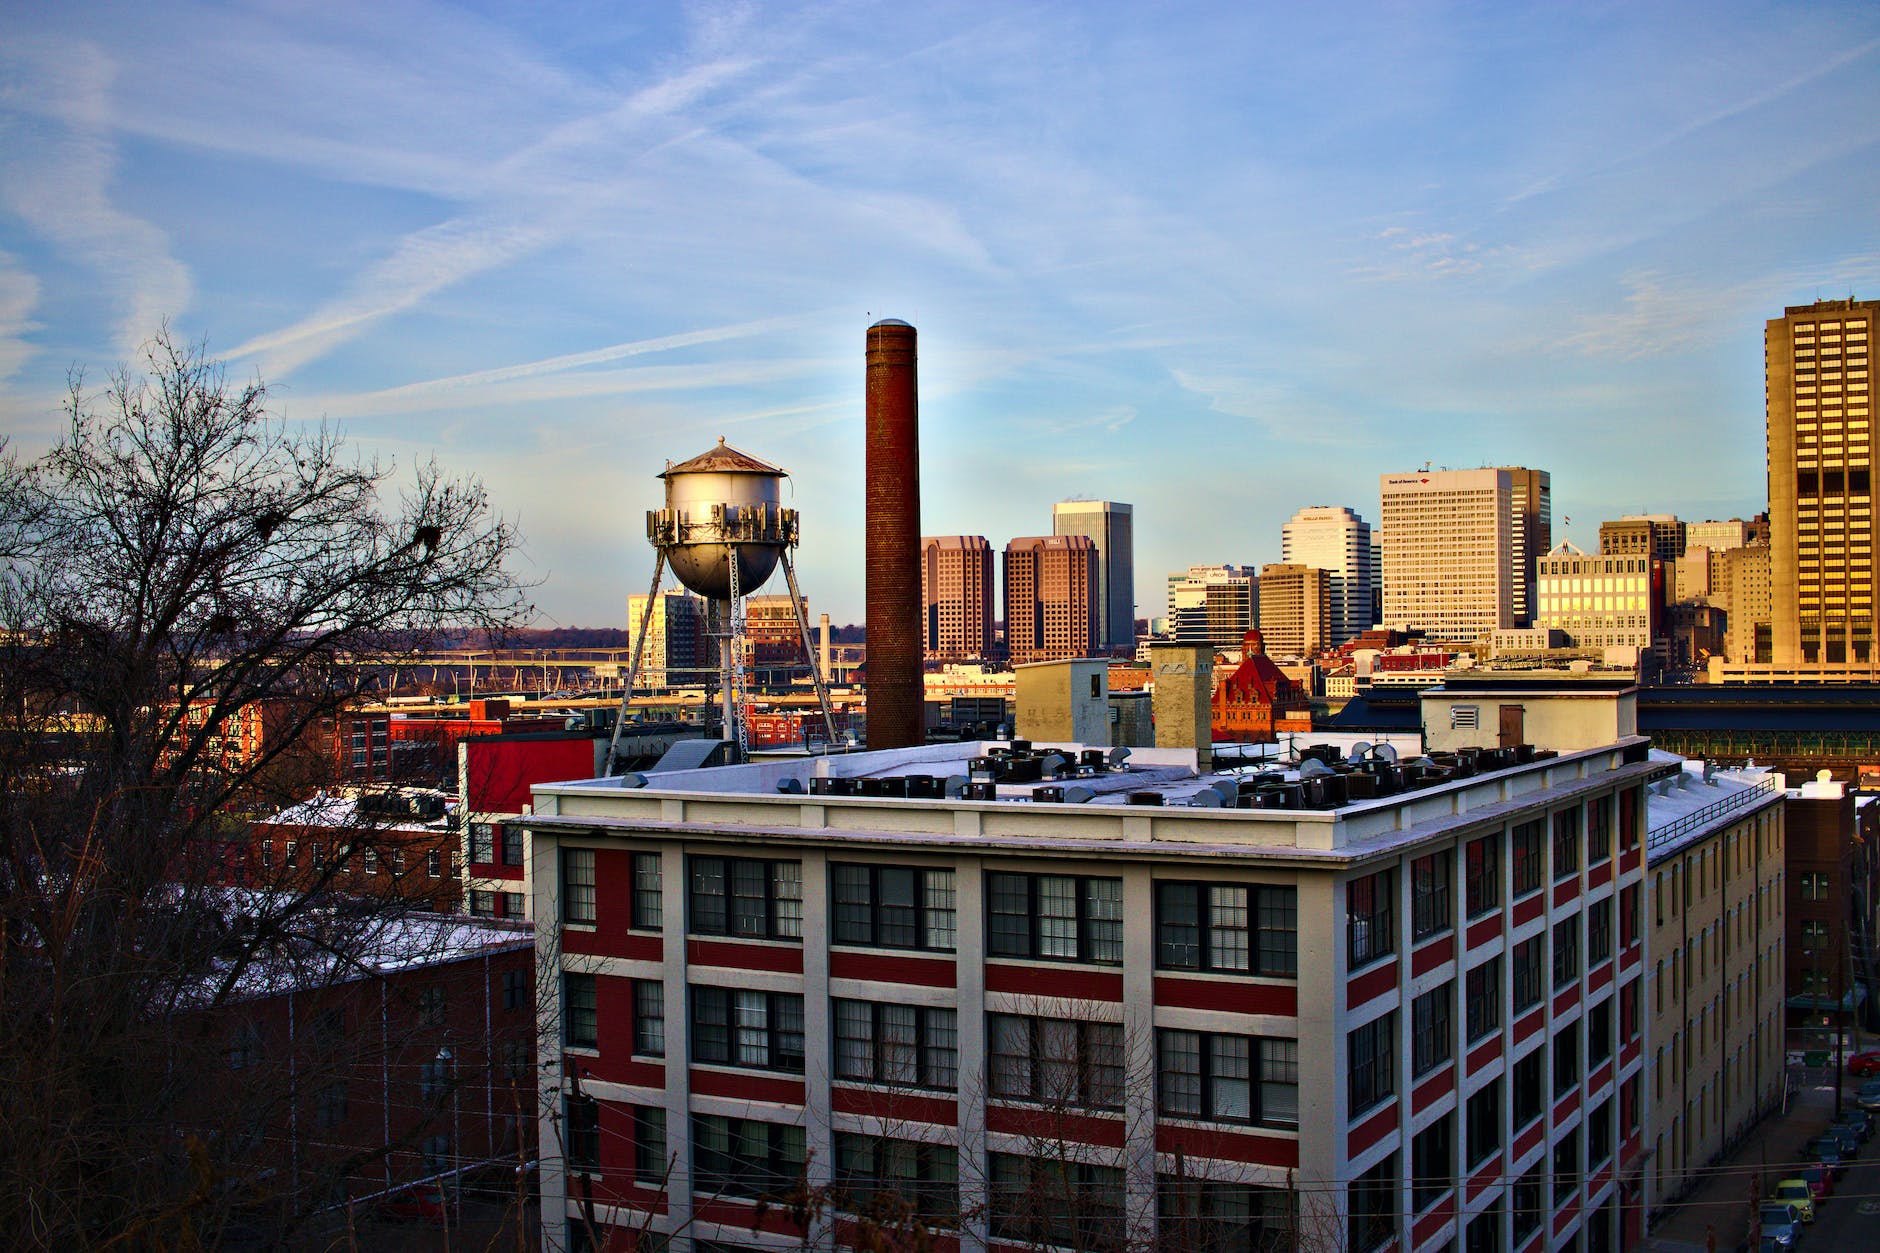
896, 710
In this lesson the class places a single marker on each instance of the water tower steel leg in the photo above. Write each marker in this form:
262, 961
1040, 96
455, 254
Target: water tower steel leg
815, 670
734, 662
633, 667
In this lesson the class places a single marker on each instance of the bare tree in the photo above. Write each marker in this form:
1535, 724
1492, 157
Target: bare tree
179, 561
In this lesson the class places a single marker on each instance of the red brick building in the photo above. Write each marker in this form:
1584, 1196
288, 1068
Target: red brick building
1257, 703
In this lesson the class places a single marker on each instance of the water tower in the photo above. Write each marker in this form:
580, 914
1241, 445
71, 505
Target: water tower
724, 531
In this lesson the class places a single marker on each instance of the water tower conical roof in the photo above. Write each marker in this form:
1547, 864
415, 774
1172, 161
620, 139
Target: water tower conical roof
724, 459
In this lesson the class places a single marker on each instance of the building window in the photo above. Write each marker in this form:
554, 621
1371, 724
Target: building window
513, 906
893, 907
649, 1018
1628, 819
482, 904
577, 885
1598, 831
329, 1108
1566, 843
482, 844
1481, 861
1370, 932
512, 846
1566, 1167
1373, 1198
1566, 1059
434, 864
1527, 1205
1483, 994
1566, 953
1484, 1231
650, 1160
431, 1006
1228, 1078
1484, 1124
1430, 881
1814, 937
763, 1030
1197, 1214
293, 854
882, 1175
1528, 1088
1814, 886
1598, 932
1528, 840
1432, 1162
1599, 1033
1048, 1201
649, 898
1055, 918
580, 1021
1527, 974
582, 1117
758, 900
244, 1046
1370, 1055
1432, 1038
744, 1157
911, 1045
1599, 1135
1231, 928
1056, 1060
515, 989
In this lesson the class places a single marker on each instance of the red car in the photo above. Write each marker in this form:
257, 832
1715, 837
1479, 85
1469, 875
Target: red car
1863, 1064
423, 1203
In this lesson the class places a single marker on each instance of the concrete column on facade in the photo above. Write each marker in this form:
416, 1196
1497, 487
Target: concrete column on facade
553, 1175
975, 1170
672, 899
1323, 1113
818, 1135
1406, 1108
1139, 1057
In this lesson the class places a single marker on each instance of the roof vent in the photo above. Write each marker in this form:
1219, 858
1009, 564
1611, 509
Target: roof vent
790, 787
1145, 798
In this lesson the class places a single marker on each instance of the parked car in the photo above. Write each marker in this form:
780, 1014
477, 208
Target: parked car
1797, 1193
1864, 1063
422, 1203
1779, 1222
1856, 1120
1820, 1181
1828, 1156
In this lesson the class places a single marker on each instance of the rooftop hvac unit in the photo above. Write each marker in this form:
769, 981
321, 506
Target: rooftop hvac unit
1145, 798
982, 790
1048, 795
925, 787
1095, 759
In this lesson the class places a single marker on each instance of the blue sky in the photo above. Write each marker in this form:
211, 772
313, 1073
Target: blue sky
1217, 260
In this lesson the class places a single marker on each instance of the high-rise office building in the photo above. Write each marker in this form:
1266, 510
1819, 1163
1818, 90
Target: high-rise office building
1050, 597
1110, 525
1336, 540
1715, 535
956, 597
1657, 535
1822, 571
675, 649
1456, 549
1295, 609
1604, 601
1215, 605
1532, 510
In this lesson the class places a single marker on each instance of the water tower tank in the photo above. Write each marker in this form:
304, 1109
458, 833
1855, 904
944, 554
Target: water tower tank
722, 502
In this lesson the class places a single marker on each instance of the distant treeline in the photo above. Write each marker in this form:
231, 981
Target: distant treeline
588, 637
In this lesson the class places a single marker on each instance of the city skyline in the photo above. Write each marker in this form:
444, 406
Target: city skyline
1151, 261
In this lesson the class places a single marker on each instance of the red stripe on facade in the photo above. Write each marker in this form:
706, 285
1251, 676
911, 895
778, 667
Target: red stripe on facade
1046, 980
745, 1214
1601, 1077
1630, 860
1438, 1218
617, 1068
1564, 1107
899, 1106
1525, 1027
1433, 1089
1484, 930
1634, 954
730, 955
1229, 996
1565, 1001
1055, 1124
924, 972
1431, 955
1486, 1177
1566, 890
1371, 984
1629, 1052
1485, 1053
1564, 1219
1529, 908
1600, 875
1600, 976
1227, 1146
1525, 1142
744, 1086
1371, 1130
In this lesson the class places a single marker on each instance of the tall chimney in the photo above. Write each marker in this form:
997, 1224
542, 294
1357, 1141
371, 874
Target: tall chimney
827, 674
896, 718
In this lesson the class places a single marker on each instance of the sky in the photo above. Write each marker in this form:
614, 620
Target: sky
1220, 261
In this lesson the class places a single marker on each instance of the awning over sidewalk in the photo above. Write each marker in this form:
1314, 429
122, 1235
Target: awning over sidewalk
1856, 996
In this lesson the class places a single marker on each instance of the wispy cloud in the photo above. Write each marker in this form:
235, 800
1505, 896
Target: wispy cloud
58, 173
19, 293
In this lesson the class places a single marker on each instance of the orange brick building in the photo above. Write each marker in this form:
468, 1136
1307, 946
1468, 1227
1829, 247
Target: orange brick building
1256, 704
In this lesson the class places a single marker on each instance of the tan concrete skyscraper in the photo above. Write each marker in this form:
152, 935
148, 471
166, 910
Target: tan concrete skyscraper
1051, 603
1459, 548
956, 597
1822, 572
1295, 609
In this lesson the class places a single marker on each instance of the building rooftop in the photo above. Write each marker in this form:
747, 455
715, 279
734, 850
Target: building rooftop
1689, 800
1321, 796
